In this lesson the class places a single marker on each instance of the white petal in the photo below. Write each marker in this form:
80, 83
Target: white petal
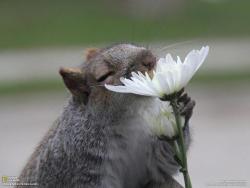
179, 60
138, 76
192, 62
171, 79
170, 60
196, 57
186, 74
120, 89
160, 80
203, 52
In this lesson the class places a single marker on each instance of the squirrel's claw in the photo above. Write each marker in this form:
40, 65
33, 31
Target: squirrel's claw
186, 106
187, 110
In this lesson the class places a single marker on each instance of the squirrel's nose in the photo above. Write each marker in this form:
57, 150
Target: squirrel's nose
149, 62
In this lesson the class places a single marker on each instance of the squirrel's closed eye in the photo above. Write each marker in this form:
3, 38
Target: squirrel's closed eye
105, 76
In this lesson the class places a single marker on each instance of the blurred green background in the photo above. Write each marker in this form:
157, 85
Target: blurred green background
36, 23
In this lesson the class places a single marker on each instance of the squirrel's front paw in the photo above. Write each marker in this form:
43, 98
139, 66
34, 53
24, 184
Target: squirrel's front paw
186, 106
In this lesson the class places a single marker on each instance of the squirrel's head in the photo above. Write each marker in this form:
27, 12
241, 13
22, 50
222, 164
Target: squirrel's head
106, 66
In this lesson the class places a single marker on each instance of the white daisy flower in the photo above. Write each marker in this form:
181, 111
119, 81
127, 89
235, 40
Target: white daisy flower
160, 120
169, 77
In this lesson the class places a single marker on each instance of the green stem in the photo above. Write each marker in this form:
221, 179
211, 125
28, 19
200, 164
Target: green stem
181, 142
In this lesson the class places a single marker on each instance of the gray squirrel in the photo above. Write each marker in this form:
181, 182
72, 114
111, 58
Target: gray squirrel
100, 140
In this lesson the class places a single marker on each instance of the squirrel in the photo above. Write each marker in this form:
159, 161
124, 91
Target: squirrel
100, 140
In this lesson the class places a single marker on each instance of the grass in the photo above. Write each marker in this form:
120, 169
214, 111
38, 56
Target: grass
30, 23
49, 85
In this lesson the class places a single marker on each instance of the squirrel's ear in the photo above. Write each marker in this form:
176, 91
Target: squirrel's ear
75, 81
91, 52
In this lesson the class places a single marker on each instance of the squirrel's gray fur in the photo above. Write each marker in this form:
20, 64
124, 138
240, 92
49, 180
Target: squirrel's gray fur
103, 144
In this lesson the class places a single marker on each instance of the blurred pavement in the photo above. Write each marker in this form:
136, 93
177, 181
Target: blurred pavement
225, 55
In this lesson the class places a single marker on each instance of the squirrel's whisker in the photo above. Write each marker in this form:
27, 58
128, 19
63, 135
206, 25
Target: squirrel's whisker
174, 45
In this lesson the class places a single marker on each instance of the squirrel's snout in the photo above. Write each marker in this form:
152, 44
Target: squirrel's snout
149, 62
